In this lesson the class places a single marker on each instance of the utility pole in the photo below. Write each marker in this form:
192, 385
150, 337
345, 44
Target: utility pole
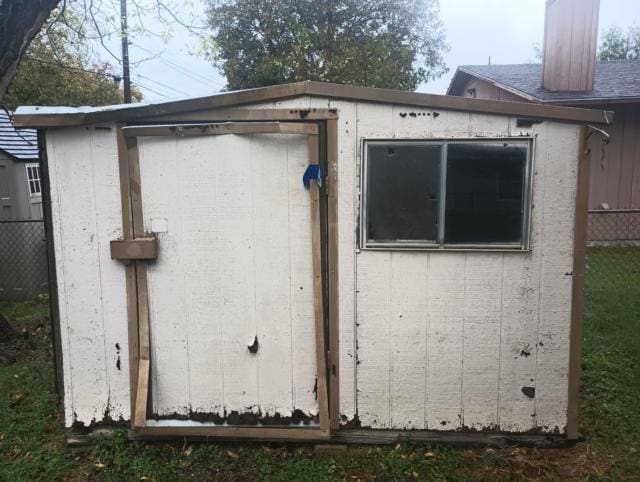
126, 79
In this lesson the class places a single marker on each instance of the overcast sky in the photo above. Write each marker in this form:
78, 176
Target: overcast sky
505, 30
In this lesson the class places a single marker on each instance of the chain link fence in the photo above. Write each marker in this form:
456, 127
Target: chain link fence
613, 254
23, 260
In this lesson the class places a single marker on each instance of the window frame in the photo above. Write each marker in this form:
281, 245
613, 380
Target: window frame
439, 244
29, 180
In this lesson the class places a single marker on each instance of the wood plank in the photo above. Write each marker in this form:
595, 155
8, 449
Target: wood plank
333, 254
233, 433
297, 113
481, 345
373, 295
48, 191
130, 269
238, 274
577, 288
408, 351
196, 227
346, 196
272, 263
78, 269
629, 120
552, 353
108, 226
165, 203
316, 243
140, 414
141, 248
445, 340
25, 118
184, 130
520, 304
302, 314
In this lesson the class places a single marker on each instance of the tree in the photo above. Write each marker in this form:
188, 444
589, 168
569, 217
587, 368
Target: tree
379, 43
57, 70
19, 24
618, 45
98, 21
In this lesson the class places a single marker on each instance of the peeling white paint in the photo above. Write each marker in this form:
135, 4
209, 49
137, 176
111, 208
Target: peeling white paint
435, 340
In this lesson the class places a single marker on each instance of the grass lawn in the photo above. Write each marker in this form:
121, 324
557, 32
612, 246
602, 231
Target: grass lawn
32, 443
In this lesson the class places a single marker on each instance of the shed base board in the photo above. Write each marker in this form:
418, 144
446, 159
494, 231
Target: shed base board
389, 437
366, 437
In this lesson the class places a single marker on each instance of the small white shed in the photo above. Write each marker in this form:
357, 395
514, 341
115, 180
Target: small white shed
423, 282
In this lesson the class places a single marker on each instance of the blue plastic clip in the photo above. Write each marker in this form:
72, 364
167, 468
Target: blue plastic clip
313, 173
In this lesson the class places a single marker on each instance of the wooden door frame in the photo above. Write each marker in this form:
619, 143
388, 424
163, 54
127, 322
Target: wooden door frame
137, 246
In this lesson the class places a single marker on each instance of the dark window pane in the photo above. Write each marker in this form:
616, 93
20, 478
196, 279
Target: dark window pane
485, 185
402, 192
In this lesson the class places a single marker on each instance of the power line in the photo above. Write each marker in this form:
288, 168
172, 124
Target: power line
178, 91
193, 75
152, 90
115, 77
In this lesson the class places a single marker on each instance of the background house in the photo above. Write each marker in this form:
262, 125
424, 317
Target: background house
570, 76
23, 261
20, 186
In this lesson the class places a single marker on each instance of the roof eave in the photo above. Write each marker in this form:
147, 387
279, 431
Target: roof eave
321, 89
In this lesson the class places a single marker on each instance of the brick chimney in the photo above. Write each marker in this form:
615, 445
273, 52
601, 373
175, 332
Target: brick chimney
570, 40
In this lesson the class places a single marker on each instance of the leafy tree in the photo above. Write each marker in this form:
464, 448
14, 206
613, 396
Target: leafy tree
618, 45
379, 43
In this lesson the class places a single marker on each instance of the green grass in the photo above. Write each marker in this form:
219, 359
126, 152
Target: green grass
32, 445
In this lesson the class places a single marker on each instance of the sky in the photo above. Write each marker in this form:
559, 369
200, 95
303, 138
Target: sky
503, 30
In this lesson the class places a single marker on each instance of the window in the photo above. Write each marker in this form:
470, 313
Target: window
446, 194
33, 179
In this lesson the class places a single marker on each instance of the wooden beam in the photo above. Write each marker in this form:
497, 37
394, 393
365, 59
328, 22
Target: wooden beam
455, 438
130, 268
140, 248
26, 117
577, 289
318, 305
333, 261
185, 130
293, 434
139, 412
52, 277
251, 115
140, 415
144, 343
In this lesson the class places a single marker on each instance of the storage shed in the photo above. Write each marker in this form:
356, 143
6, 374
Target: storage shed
316, 261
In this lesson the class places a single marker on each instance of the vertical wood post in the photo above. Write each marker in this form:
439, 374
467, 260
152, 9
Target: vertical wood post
577, 291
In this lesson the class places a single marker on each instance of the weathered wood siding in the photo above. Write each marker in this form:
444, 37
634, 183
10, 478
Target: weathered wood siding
570, 41
427, 339
484, 90
235, 265
450, 340
86, 212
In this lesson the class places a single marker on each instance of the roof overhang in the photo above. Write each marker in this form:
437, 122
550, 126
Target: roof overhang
44, 117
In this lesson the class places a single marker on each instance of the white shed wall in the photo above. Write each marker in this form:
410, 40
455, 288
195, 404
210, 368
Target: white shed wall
431, 340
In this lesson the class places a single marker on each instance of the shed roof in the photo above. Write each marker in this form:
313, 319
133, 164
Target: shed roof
615, 81
67, 116
19, 144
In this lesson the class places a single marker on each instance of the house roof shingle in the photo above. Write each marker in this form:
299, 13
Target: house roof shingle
614, 81
21, 144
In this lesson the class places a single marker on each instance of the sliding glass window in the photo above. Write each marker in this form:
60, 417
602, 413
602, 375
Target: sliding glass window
446, 194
